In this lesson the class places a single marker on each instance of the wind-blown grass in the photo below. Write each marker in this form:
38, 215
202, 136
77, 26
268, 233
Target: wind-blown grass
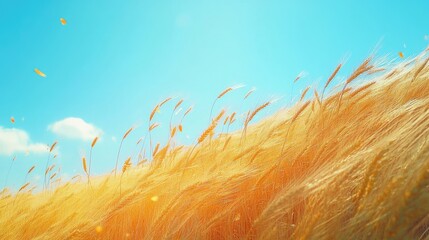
360, 171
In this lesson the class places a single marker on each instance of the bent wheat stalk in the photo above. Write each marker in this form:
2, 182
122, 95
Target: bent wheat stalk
120, 146
47, 162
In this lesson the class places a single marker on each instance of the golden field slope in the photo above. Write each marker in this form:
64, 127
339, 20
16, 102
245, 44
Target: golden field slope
354, 165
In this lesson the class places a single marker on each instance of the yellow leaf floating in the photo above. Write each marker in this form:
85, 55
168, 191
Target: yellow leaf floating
401, 55
12, 120
40, 73
63, 21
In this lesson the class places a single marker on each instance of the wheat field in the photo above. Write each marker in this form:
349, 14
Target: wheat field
353, 164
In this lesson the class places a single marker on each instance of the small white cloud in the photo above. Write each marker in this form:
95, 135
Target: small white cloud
75, 128
14, 140
114, 139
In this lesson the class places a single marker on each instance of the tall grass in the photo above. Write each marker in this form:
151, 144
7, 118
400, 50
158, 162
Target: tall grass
314, 171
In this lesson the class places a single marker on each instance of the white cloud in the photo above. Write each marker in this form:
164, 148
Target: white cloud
14, 140
75, 128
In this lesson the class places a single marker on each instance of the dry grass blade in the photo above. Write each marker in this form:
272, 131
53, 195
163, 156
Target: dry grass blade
226, 120
232, 118
300, 110
127, 133
219, 116
120, 147
31, 169
211, 127
206, 133
361, 89
300, 75
187, 111
49, 169
85, 169
127, 164
23, 187
337, 69
94, 142
253, 114
53, 175
420, 69
364, 67
152, 114
153, 126
173, 132
316, 95
227, 90
249, 93
304, 92
165, 101
226, 142
178, 104
52, 146
155, 150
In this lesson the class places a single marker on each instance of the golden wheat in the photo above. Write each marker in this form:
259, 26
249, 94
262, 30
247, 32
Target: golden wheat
365, 170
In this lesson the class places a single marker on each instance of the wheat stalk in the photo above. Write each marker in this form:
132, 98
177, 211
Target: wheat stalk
361, 89
253, 114
249, 93
125, 167
174, 109
416, 74
84, 165
47, 161
90, 154
364, 67
303, 93
299, 76
120, 146
337, 69
153, 126
223, 93
211, 127
295, 116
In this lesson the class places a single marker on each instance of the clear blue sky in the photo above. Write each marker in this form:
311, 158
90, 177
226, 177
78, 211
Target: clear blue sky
114, 60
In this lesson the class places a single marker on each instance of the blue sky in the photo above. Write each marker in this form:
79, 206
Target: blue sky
115, 60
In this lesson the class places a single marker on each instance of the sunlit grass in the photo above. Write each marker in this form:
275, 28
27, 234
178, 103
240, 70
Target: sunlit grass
354, 165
